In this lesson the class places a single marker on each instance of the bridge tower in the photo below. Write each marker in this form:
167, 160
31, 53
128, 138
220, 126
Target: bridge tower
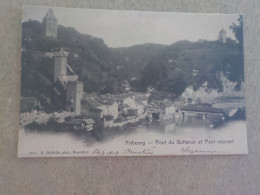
60, 63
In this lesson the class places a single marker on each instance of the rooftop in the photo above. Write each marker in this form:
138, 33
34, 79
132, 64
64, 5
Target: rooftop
92, 102
124, 96
167, 103
89, 121
50, 14
93, 109
105, 100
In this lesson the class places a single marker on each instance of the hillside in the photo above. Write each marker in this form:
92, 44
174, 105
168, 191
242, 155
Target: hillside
89, 57
132, 60
169, 68
187, 63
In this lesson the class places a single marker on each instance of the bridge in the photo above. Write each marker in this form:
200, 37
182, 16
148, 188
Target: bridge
194, 110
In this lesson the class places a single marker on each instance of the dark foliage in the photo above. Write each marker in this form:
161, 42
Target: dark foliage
238, 30
172, 70
103, 69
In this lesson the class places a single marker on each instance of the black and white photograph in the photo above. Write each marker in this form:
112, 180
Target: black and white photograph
131, 83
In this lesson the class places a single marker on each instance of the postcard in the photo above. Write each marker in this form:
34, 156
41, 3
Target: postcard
131, 83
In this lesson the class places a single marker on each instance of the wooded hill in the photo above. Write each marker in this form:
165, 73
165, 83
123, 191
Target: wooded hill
102, 69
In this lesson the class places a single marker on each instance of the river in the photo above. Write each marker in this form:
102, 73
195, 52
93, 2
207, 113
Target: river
65, 141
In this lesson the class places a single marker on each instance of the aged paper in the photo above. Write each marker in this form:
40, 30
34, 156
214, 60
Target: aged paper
131, 83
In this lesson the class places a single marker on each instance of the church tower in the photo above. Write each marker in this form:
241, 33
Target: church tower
50, 24
222, 36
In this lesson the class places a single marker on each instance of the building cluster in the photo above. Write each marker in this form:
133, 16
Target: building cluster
114, 110
122, 109
163, 109
31, 110
117, 110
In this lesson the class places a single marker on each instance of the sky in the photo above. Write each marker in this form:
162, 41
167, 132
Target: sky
119, 28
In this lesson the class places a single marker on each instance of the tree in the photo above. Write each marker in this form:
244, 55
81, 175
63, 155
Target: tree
238, 31
237, 62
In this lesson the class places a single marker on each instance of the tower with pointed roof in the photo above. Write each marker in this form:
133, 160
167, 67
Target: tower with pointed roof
222, 36
50, 24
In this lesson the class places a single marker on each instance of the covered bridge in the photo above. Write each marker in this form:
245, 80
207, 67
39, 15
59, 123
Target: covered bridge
201, 111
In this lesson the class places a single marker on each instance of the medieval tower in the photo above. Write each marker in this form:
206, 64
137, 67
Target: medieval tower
50, 24
60, 64
66, 84
74, 97
222, 36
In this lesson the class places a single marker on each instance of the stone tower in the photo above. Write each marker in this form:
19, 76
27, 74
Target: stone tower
50, 24
60, 63
74, 97
67, 89
222, 36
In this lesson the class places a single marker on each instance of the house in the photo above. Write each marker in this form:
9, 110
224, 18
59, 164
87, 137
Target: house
131, 103
108, 105
103, 106
31, 110
108, 121
168, 109
88, 124
82, 124
140, 105
195, 72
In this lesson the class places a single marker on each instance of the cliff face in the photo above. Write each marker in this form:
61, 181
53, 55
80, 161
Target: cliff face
205, 94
